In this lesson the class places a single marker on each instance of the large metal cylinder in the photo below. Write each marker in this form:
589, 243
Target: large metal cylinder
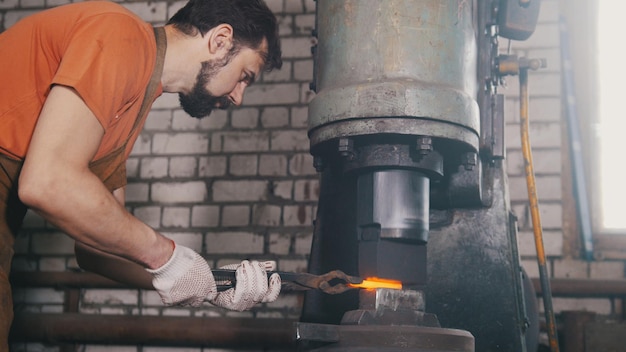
395, 66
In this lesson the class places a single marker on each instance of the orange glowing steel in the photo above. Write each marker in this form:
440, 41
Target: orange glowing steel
371, 283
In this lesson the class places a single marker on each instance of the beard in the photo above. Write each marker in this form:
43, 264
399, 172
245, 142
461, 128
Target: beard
199, 102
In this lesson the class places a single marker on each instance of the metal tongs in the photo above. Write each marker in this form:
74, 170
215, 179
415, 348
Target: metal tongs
332, 283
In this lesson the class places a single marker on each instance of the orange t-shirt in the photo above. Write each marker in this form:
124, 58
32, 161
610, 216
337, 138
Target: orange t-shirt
100, 49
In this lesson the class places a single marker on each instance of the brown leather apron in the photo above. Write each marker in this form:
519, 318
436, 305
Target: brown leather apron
111, 169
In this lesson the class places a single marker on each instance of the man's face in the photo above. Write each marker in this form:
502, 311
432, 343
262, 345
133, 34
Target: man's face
221, 82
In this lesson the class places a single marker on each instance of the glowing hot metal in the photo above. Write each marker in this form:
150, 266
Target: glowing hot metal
371, 283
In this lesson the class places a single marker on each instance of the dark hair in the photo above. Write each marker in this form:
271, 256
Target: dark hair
251, 20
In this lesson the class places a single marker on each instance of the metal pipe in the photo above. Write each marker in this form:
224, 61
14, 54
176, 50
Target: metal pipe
534, 211
559, 287
584, 287
62, 279
229, 333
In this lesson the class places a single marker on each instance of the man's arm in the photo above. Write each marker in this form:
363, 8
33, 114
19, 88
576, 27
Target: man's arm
112, 266
56, 182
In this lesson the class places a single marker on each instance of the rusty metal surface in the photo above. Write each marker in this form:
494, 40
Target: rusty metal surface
368, 64
353, 338
231, 333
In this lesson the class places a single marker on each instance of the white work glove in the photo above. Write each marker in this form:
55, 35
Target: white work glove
185, 279
252, 286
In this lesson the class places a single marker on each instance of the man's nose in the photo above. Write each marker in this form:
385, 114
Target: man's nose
236, 96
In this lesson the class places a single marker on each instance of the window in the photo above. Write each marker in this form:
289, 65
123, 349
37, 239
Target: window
610, 132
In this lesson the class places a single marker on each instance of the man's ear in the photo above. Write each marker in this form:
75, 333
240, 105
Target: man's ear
220, 39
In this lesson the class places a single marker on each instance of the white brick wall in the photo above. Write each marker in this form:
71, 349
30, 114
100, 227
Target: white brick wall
241, 184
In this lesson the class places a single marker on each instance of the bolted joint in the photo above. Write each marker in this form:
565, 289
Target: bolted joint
318, 163
469, 160
424, 145
346, 148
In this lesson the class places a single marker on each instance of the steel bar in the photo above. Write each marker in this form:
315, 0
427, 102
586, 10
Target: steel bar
584, 287
231, 333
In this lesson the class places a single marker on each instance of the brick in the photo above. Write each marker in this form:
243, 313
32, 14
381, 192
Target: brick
173, 192
158, 120
153, 167
293, 265
289, 140
181, 121
293, 6
150, 215
173, 7
212, 166
245, 118
552, 243
544, 109
309, 5
183, 166
303, 70
542, 135
282, 75
272, 94
32, 3
110, 296
52, 243
243, 165
192, 240
149, 11
166, 101
275, 117
548, 188
296, 47
272, 165
298, 215
8, 4
545, 161
142, 145
306, 94
57, 2
600, 306
132, 167
246, 141
551, 215
180, 143
277, 6
235, 215
205, 216
137, 192
300, 117
266, 215
303, 243
609, 270
279, 243
216, 121
571, 269
530, 267
282, 189
176, 217
304, 24
238, 191
545, 35
151, 298
287, 301
52, 264
234, 242
306, 190
38, 295
11, 17
301, 165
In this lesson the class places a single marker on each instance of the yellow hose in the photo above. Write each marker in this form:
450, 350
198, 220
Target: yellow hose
534, 211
